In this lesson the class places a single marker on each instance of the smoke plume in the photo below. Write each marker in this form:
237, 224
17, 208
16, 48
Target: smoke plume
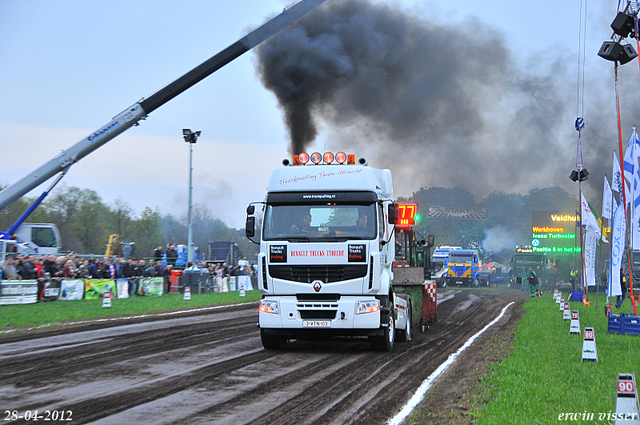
498, 239
440, 105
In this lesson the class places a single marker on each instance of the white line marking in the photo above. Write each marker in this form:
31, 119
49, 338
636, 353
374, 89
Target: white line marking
426, 384
115, 319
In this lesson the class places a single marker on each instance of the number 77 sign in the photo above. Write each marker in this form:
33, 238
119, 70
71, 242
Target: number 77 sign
406, 215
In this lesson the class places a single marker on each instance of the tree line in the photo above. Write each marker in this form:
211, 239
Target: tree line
85, 222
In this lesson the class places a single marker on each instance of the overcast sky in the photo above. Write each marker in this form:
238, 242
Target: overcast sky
68, 66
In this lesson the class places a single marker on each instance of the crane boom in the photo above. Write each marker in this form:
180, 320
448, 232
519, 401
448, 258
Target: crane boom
132, 115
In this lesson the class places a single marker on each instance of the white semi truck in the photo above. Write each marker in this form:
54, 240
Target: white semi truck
326, 235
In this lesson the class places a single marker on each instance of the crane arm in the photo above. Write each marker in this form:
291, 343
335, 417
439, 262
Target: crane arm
138, 111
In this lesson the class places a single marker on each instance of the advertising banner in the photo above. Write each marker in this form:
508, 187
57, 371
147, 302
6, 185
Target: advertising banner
71, 289
18, 292
122, 286
51, 290
221, 285
243, 282
152, 286
95, 288
590, 257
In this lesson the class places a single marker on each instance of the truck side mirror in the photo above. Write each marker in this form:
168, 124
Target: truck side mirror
250, 226
431, 240
251, 209
393, 214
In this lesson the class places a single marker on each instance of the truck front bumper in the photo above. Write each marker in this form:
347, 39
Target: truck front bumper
299, 319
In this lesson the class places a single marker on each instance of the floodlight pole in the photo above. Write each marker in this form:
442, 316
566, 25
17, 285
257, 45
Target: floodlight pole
190, 137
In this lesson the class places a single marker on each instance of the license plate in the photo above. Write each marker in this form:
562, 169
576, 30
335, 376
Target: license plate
316, 323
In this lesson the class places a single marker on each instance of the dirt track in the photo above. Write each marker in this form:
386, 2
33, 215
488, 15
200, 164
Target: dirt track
211, 368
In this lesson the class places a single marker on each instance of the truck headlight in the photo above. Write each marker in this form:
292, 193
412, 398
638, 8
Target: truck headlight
370, 306
267, 306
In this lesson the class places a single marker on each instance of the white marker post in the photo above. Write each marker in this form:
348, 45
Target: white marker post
561, 303
589, 351
574, 328
627, 410
106, 297
566, 315
187, 293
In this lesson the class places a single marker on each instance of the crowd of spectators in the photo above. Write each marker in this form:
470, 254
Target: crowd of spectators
51, 268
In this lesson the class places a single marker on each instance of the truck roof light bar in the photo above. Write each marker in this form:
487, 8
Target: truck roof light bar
328, 158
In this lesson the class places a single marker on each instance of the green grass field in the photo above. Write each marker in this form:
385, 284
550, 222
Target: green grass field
544, 377
57, 312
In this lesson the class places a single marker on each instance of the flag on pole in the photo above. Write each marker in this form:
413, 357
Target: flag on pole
617, 249
630, 160
616, 182
589, 220
599, 220
607, 197
616, 179
635, 227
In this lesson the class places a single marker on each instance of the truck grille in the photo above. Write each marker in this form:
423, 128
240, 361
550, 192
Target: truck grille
326, 274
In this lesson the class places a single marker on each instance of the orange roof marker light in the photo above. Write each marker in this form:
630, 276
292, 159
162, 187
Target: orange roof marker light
303, 158
328, 157
351, 159
316, 158
341, 157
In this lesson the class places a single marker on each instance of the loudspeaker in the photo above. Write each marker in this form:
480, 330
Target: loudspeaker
610, 51
582, 175
628, 54
623, 24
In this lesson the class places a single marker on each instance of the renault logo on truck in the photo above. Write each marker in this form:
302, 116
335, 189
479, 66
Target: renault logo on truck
317, 285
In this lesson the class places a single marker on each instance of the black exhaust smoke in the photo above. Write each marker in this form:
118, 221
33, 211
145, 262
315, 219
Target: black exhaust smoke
439, 104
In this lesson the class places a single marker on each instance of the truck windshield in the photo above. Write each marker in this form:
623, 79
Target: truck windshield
460, 259
320, 222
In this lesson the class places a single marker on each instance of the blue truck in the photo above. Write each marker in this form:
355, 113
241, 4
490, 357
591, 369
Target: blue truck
464, 269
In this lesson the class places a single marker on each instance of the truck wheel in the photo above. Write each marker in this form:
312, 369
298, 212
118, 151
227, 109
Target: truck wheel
404, 335
273, 342
385, 342
476, 282
443, 282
